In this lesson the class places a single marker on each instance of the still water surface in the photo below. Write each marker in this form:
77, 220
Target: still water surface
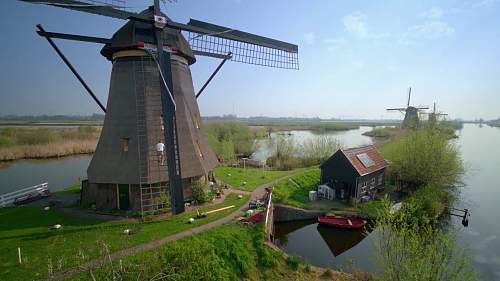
59, 173
481, 194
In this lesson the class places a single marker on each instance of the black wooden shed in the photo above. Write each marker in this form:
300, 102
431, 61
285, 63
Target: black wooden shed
354, 172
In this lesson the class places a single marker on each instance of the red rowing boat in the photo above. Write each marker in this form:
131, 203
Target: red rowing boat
342, 222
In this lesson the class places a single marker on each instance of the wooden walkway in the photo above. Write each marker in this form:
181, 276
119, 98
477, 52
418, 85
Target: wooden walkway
98, 262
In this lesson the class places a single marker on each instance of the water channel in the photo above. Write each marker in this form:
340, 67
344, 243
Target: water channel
336, 248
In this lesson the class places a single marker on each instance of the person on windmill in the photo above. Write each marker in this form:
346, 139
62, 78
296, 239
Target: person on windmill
160, 150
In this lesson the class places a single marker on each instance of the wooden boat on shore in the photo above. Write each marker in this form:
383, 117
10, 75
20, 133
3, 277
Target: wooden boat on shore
342, 222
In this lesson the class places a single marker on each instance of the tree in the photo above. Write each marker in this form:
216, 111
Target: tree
410, 249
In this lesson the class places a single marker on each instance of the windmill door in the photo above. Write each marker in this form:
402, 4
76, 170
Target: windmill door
123, 197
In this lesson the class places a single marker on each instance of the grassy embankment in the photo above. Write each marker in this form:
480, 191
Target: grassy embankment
229, 252
79, 240
20, 143
253, 177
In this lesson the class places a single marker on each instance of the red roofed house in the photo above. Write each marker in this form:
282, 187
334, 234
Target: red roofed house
354, 172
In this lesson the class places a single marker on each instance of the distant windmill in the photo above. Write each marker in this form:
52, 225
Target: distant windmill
152, 146
411, 113
434, 115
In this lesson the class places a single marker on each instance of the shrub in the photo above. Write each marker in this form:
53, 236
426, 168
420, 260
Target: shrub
408, 249
315, 151
199, 192
422, 157
328, 273
293, 262
307, 267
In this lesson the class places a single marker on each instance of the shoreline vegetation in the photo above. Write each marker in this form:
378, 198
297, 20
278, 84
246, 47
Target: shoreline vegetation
39, 143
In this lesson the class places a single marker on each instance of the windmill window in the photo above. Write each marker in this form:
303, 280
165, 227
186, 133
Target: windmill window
125, 142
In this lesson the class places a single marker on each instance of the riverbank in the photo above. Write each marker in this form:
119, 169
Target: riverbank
40, 143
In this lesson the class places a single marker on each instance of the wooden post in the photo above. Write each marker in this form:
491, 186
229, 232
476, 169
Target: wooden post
19, 255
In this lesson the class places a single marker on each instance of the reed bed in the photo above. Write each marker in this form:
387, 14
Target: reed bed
23, 143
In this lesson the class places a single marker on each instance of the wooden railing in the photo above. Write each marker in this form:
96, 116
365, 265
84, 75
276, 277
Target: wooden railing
268, 222
9, 198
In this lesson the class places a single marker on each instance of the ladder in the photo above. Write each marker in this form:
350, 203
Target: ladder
153, 196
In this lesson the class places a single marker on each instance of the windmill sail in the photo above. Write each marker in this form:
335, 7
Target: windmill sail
109, 8
244, 47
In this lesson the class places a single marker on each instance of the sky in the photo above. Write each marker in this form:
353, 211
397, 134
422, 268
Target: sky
356, 58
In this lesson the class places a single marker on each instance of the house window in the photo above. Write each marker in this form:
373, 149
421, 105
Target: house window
125, 142
380, 179
372, 183
363, 186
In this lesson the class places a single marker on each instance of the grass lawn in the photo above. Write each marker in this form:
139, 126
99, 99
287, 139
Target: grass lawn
295, 191
254, 177
79, 239
228, 252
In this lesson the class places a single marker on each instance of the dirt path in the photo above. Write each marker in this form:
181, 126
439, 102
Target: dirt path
257, 193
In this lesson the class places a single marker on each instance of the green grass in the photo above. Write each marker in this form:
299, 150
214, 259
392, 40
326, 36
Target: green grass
79, 240
254, 177
295, 191
74, 188
228, 252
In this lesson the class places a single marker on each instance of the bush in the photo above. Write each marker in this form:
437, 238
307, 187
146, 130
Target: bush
315, 151
230, 138
199, 192
307, 267
293, 262
423, 157
408, 249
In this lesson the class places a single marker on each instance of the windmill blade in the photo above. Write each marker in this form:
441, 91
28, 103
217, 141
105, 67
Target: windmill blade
103, 8
409, 97
399, 109
74, 37
245, 47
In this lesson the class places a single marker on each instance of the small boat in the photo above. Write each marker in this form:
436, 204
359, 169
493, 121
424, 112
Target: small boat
342, 222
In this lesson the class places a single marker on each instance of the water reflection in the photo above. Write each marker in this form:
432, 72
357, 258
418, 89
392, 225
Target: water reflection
325, 246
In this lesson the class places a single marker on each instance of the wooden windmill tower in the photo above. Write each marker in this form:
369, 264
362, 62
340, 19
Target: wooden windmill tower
151, 100
411, 119
433, 116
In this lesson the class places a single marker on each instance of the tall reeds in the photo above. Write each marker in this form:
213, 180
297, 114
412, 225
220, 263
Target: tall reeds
20, 143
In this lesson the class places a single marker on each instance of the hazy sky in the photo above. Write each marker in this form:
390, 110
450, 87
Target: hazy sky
356, 58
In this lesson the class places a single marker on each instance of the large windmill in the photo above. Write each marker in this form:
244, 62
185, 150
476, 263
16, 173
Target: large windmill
411, 119
151, 101
433, 116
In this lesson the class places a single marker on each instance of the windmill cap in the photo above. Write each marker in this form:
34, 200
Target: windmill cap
128, 35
